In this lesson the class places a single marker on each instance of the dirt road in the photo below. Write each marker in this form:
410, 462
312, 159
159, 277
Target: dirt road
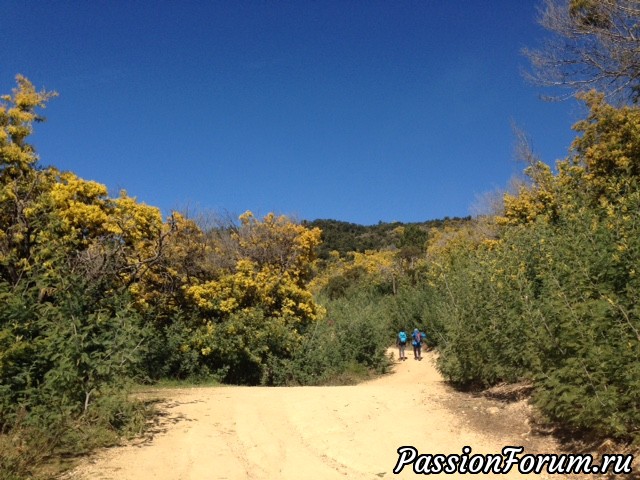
239, 433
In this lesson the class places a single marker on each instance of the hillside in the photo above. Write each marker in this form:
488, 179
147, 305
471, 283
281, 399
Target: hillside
347, 237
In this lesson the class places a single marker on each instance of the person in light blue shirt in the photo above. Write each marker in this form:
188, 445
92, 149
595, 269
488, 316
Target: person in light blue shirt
401, 342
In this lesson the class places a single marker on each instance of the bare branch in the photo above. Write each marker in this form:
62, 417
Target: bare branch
593, 44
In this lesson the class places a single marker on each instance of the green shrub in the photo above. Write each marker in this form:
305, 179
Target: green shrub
345, 347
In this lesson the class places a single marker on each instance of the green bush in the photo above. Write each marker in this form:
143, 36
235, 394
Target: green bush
345, 347
413, 307
65, 364
165, 355
555, 302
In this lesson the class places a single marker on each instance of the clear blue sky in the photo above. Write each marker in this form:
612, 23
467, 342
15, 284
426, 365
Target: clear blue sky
361, 111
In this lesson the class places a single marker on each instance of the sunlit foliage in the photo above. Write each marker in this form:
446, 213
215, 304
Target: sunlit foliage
553, 298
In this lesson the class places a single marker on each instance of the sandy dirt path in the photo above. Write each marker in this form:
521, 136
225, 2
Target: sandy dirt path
352, 432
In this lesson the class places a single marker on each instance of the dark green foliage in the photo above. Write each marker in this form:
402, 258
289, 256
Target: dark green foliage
241, 357
64, 350
589, 300
411, 308
164, 355
354, 281
555, 303
345, 237
348, 345
488, 324
64, 365
340, 285
554, 299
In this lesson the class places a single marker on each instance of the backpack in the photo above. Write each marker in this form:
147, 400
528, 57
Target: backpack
402, 336
417, 339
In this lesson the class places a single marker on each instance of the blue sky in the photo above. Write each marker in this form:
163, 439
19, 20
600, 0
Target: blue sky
361, 111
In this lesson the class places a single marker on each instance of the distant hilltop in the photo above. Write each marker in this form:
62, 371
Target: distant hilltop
345, 237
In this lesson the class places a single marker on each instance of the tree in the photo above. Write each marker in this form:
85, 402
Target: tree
20, 182
17, 115
241, 293
69, 258
411, 245
595, 44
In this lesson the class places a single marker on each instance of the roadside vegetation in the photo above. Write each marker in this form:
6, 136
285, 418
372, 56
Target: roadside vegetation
100, 293
552, 296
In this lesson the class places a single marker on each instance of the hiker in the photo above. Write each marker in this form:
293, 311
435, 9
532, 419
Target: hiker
417, 344
401, 342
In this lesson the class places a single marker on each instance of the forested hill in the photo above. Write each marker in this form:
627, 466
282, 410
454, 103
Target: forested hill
350, 237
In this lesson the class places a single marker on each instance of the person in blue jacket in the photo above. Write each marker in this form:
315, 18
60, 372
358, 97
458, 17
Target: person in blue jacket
416, 337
